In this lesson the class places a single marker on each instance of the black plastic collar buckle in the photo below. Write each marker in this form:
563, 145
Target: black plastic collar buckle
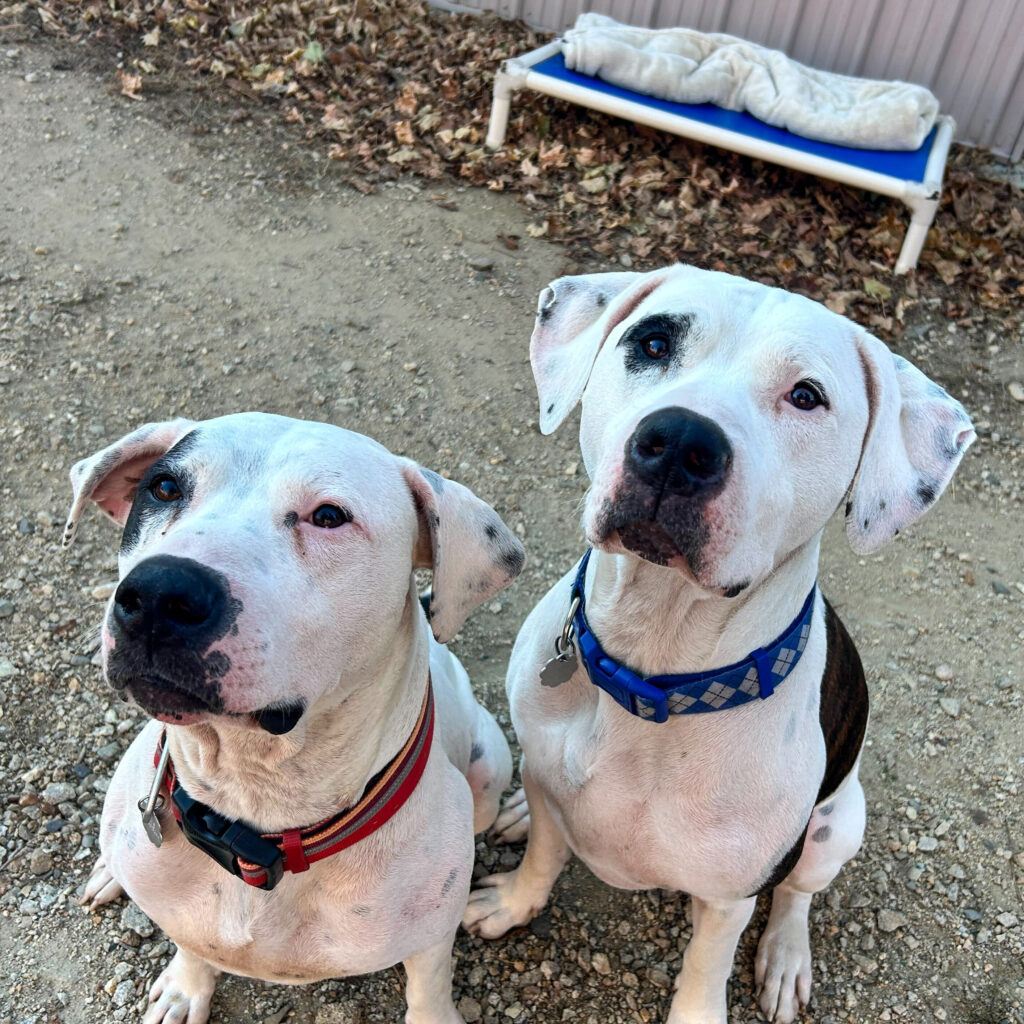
226, 841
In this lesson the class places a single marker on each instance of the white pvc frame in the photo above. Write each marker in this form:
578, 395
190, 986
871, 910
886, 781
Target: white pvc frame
921, 197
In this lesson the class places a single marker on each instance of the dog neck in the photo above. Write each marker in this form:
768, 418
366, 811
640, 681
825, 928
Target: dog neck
656, 621
322, 765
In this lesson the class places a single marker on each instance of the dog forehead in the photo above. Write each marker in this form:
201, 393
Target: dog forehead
253, 449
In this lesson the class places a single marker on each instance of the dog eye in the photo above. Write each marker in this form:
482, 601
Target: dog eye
807, 395
655, 346
165, 488
330, 517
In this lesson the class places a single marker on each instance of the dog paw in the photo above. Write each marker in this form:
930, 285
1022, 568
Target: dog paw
182, 993
500, 903
513, 823
782, 972
102, 887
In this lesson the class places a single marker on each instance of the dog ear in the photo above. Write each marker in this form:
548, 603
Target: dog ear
472, 553
574, 317
915, 439
110, 476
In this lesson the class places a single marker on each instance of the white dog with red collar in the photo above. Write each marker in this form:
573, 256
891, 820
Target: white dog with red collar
267, 615
723, 423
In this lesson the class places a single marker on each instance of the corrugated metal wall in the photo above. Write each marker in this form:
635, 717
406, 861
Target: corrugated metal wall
970, 53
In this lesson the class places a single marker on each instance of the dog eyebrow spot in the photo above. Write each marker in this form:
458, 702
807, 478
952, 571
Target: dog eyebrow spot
476, 753
925, 492
291, 519
821, 835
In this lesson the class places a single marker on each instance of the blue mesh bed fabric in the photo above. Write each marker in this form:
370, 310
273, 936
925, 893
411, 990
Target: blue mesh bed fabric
902, 165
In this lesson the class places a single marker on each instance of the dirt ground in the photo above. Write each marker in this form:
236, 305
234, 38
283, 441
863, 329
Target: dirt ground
181, 256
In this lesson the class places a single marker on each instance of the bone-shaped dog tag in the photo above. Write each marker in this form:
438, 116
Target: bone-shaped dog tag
152, 804
559, 669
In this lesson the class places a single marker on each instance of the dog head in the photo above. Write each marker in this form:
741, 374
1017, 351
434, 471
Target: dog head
267, 561
724, 421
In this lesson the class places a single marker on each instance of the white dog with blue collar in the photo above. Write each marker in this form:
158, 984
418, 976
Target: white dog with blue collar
690, 708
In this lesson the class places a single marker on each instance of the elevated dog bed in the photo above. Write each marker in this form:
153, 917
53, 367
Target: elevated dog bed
912, 176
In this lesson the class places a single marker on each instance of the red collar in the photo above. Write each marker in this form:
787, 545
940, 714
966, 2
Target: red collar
260, 859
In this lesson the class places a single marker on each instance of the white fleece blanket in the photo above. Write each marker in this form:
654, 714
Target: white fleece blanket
686, 66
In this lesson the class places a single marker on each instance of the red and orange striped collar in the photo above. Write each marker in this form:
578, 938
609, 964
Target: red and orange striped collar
261, 859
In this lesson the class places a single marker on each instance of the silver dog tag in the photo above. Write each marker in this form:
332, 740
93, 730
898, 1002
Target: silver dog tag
560, 669
152, 804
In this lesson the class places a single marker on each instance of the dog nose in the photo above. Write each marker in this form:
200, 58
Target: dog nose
680, 452
171, 599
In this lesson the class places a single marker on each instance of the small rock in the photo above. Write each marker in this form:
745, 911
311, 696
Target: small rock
26, 527
348, 365
59, 792
470, 1009
890, 920
136, 920
480, 263
494, 607
951, 705
6, 608
7, 669
943, 673
1016, 390
1007, 920
658, 977
124, 993
999, 587
927, 843
40, 862
601, 963
103, 591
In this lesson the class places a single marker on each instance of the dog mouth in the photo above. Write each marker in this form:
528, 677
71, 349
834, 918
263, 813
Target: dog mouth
168, 700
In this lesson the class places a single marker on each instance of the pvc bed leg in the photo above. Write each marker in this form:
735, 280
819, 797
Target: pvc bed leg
500, 106
922, 215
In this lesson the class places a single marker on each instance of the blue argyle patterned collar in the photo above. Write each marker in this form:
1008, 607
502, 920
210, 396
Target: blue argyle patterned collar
656, 697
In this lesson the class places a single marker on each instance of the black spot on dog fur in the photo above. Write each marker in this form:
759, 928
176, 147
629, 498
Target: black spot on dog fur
291, 519
925, 492
821, 835
826, 810
601, 299
476, 753
849, 508
492, 531
511, 560
551, 407
449, 881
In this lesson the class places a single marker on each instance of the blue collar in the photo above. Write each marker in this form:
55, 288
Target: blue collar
657, 697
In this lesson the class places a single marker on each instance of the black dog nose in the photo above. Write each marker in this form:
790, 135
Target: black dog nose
171, 599
680, 452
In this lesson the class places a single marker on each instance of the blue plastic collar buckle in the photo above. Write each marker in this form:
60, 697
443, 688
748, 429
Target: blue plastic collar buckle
621, 684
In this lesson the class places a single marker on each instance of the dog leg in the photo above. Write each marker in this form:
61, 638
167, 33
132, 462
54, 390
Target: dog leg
182, 993
505, 901
513, 822
490, 770
782, 969
428, 986
707, 962
102, 887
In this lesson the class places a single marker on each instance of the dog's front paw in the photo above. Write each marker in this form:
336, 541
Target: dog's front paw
513, 823
102, 887
182, 993
782, 972
500, 903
